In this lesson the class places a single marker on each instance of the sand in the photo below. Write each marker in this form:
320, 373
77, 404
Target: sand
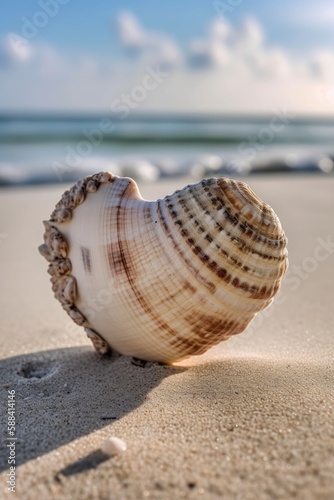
250, 419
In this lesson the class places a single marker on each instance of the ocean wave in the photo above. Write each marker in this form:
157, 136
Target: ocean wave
143, 170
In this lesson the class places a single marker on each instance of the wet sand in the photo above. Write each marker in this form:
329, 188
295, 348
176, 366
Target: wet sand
250, 419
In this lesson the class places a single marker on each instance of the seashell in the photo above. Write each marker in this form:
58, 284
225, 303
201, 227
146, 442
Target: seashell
113, 446
163, 280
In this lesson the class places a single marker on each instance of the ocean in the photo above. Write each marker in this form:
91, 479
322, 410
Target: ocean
37, 149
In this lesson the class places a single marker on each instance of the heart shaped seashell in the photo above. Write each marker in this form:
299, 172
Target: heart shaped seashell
162, 280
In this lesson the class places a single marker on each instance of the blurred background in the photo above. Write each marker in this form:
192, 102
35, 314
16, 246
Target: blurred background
163, 89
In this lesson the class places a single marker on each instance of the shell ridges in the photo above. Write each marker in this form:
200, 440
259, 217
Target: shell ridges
165, 279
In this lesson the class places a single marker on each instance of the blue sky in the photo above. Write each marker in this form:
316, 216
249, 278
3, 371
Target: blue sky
88, 25
281, 51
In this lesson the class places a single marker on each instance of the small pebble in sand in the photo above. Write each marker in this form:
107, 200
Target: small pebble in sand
113, 446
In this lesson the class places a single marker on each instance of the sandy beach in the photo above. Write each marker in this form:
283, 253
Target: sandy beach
250, 419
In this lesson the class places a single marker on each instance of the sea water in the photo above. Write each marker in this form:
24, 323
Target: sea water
61, 148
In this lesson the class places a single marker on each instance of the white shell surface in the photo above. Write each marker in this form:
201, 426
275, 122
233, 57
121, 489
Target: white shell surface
166, 279
113, 446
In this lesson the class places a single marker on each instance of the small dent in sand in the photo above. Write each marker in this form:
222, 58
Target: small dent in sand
37, 369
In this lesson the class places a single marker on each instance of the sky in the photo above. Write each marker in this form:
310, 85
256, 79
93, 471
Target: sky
202, 56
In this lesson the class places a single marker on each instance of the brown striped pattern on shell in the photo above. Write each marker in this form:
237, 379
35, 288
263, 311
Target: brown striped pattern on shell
166, 279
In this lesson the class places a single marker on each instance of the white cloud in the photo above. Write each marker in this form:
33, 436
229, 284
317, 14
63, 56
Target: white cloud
14, 49
51, 80
236, 71
152, 48
213, 50
268, 63
220, 30
205, 54
131, 34
250, 35
321, 64
240, 51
